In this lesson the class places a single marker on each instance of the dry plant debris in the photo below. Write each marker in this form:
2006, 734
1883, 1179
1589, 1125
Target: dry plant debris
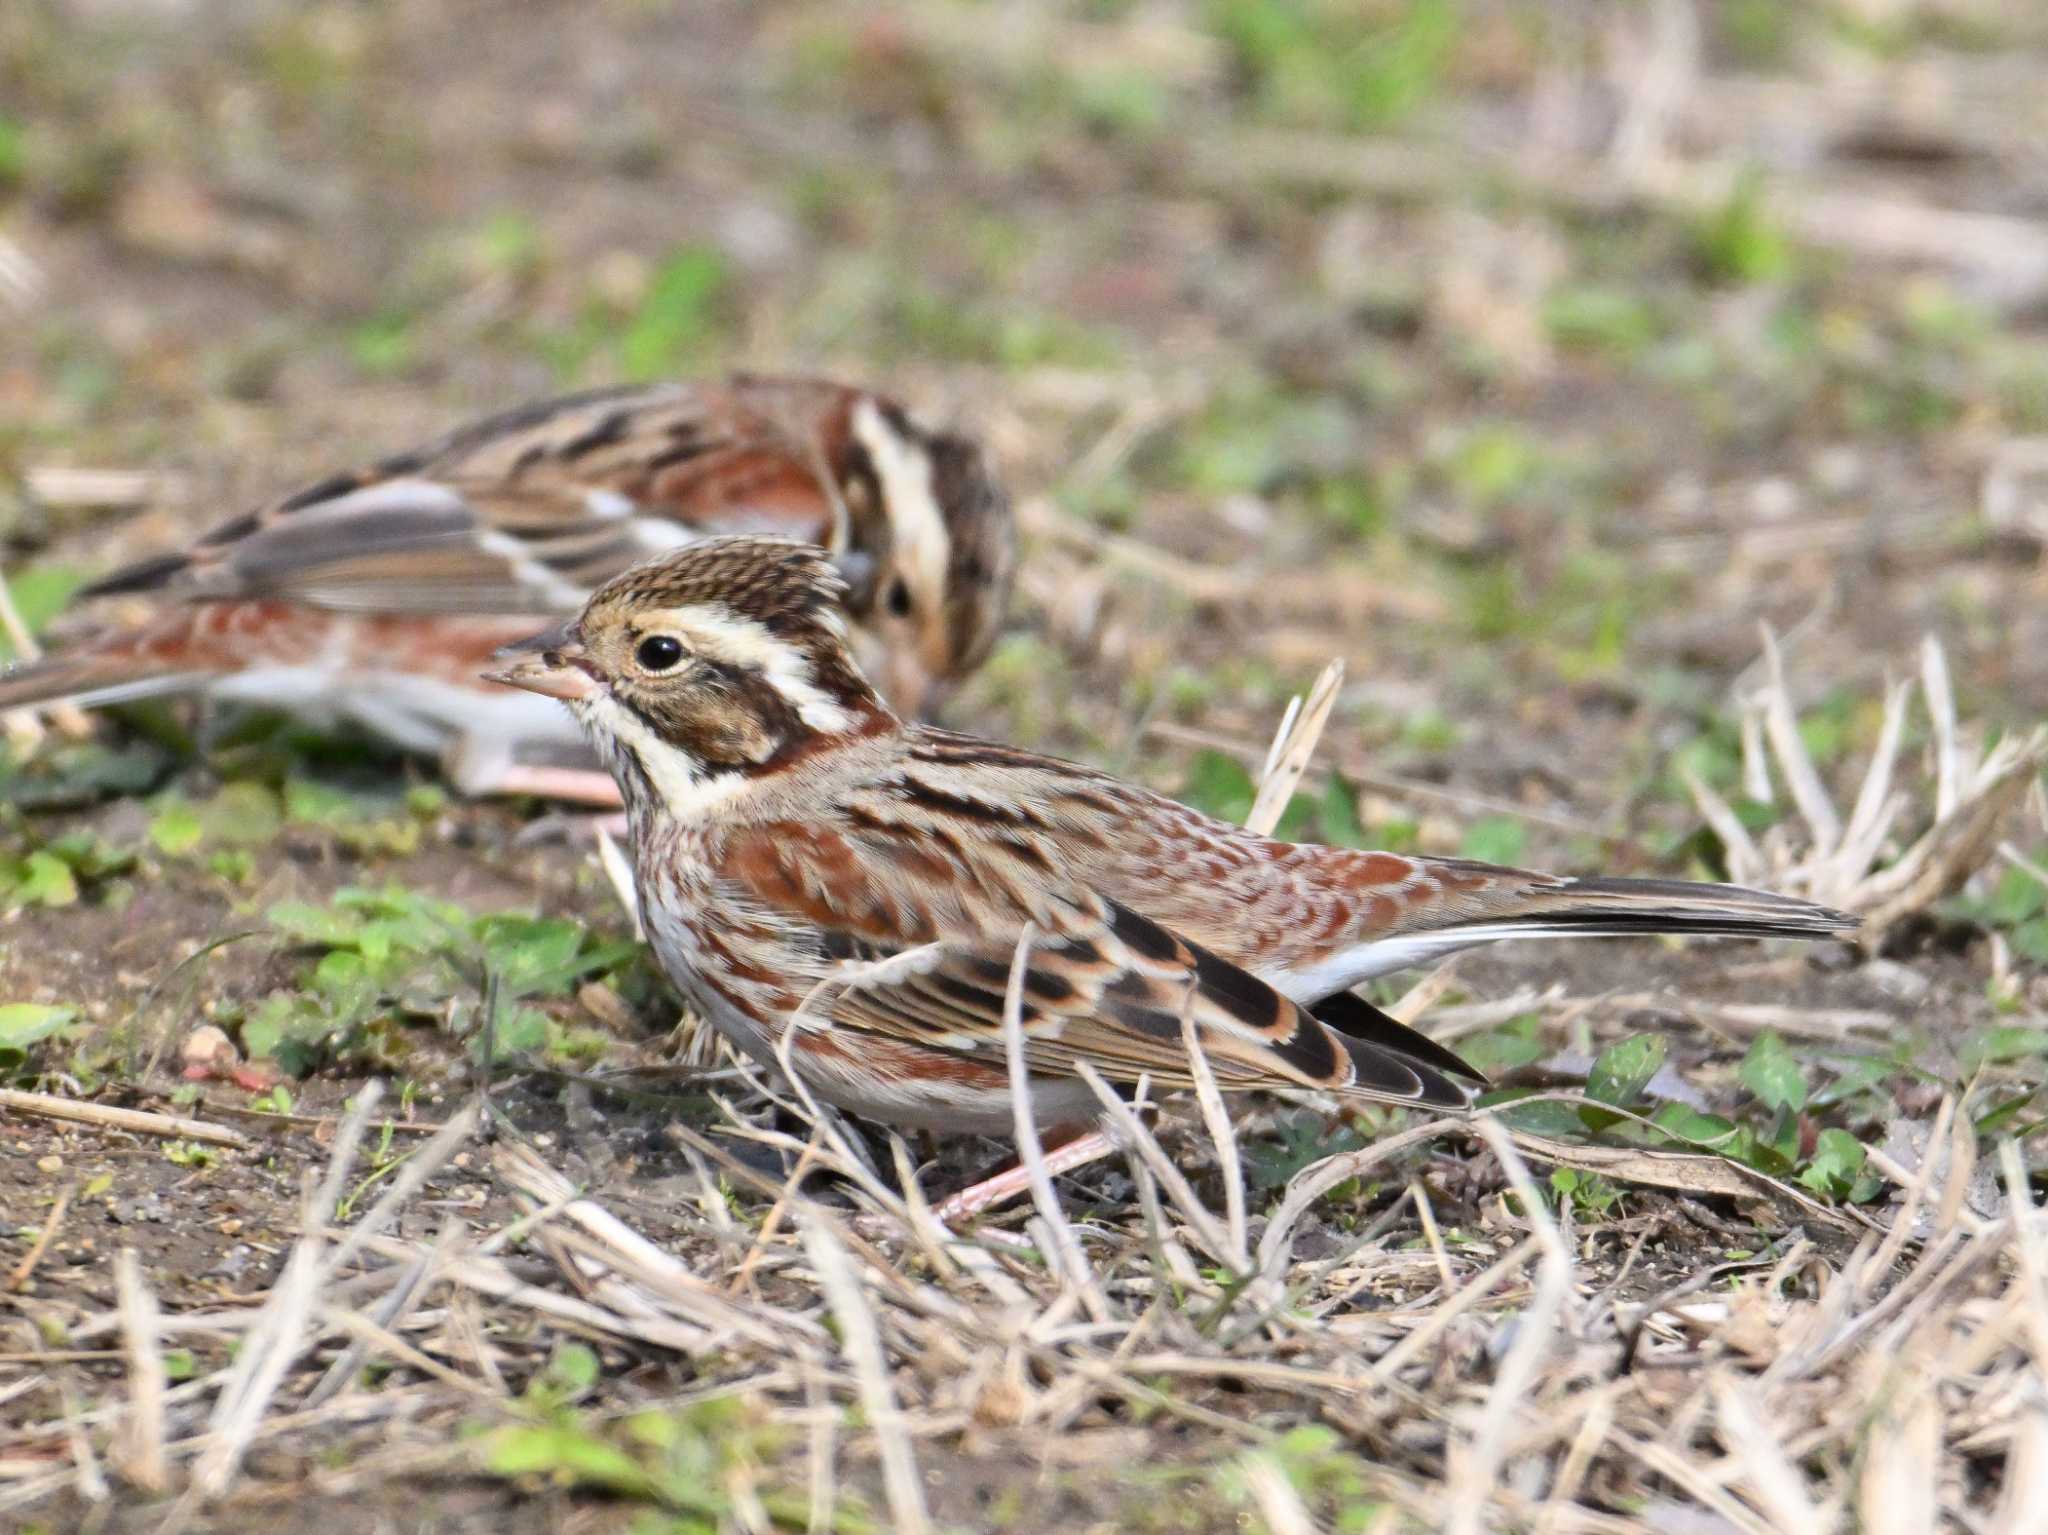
1518, 1380
1868, 863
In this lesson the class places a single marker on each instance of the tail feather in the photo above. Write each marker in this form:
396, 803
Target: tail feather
92, 677
1624, 905
1495, 904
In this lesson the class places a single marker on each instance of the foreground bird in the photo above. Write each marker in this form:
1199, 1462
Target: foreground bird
804, 857
377, 596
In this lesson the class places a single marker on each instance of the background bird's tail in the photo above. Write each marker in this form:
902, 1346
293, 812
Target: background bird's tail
110, 669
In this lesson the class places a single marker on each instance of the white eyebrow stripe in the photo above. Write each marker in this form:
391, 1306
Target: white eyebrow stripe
724, 636
917, 525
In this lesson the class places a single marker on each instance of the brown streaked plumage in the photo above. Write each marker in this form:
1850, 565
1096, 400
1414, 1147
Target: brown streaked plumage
378, 595
807, 861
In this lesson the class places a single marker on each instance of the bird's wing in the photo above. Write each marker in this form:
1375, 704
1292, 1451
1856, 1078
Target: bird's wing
1102, 984
526, 511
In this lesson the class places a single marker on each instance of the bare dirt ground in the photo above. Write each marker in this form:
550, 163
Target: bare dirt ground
1524, 358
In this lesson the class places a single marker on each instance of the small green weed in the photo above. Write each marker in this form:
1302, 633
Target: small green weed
24, 1026
686, 1465
386, 956
1355, 64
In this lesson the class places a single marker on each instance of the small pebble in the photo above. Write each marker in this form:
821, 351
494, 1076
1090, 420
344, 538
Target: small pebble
49, 1164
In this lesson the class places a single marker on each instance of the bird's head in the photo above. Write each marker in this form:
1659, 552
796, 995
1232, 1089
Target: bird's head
931, 550
706, 670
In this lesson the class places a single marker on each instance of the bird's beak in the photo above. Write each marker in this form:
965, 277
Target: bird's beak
906, 683
552, 663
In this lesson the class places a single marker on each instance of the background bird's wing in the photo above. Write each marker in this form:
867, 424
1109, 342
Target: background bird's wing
523, 512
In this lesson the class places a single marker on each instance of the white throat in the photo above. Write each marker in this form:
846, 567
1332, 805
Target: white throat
685, 790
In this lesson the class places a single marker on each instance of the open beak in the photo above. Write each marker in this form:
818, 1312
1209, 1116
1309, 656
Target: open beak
553, 664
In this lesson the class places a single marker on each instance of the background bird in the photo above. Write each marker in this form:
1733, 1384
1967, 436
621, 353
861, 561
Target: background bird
830, 884
377, 595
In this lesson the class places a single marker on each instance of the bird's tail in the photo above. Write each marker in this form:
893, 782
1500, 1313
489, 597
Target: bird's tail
107, 669
1465, 904
1619, 905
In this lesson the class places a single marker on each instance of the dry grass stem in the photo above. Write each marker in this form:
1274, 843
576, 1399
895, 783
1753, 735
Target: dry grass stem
134, 1121
1479, 1470
1294, 746
271, 1346
863, 1340
139, 1454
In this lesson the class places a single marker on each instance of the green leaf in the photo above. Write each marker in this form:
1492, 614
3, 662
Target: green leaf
1999, 1115
346, 980
320, 804
1495, 839
281, 1024
45, 880
1836, 1161
1708, 1132
1613, 319
242, 814
426, 800
67, 776
2030, 941
531, 953
1623, 1070
2018, 896
1770, 1072
568, 1453
520, 1031
1852, 1076
314, 924
574, 1368
175, 829
1558, 1120
1993, 1046
383, 343
13, 157
1518, 1042
89, 855
24, 1023
1741, 241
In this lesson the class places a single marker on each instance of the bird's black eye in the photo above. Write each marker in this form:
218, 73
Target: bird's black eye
899, 598
658, 652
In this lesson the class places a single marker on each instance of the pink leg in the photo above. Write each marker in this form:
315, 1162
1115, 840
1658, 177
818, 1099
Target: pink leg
1083, 1147
581, 786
